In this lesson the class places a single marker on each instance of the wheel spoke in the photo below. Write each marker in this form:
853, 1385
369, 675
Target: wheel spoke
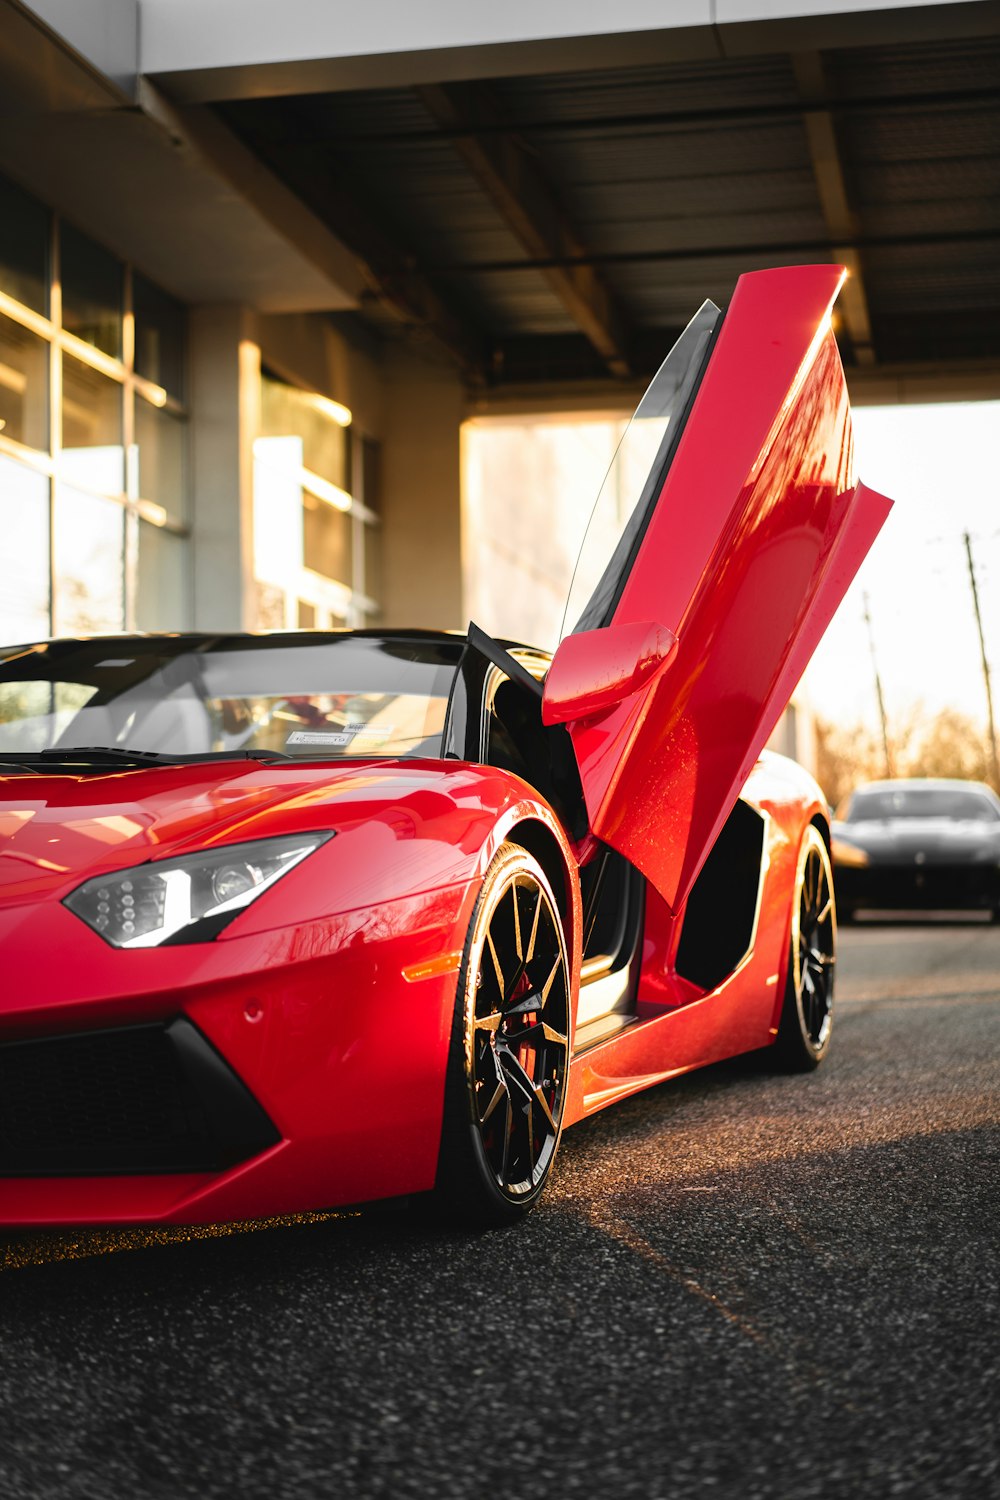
526, 1006
534, 1034
499, 1094
496, 961
517, 1079
533, 937
543, 1104
821, 959
518, 946
547, 986
492, 1022
524, 1129
508, 1126
530, 1091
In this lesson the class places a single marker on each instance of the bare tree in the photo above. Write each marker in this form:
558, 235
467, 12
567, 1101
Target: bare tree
947, 743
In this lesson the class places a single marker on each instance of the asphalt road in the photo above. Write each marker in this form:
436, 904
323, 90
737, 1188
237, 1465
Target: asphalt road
738, 1285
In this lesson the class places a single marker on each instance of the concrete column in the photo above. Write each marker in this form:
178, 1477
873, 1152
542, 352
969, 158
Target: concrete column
225, 396
420, 503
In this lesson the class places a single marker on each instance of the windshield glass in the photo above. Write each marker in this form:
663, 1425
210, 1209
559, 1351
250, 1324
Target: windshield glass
634, 481
316, 697
921, 802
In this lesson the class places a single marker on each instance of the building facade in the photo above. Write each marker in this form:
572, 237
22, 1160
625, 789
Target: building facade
259, 264
167, 465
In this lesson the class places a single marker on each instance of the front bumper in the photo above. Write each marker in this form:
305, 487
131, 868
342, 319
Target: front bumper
913, 887
328, 1079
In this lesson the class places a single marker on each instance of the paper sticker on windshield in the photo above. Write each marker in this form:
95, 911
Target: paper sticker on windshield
350, 734
318, 737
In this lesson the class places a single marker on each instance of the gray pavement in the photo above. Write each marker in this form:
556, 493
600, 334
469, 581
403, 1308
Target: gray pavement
737, 1285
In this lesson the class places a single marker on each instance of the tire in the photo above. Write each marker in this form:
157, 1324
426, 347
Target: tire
508, 1065
807, 1014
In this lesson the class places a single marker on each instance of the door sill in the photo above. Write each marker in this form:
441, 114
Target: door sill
600, 1030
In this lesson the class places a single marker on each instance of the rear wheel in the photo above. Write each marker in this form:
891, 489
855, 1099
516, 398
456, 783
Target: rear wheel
509, 1061
807, 1014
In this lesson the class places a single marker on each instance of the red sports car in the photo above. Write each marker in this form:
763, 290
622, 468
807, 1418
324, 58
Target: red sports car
303, 920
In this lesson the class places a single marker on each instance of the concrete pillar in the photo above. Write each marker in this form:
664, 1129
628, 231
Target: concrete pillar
225, 396
420, 502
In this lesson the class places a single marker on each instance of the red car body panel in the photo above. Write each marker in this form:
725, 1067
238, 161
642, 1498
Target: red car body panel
338, 1024
332, 998
682, 1027
360, 1113
747, 553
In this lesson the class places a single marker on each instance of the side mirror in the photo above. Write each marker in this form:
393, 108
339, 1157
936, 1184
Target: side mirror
595, 670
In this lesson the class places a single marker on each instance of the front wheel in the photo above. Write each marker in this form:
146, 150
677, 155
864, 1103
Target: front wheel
508, 1066
807, 1014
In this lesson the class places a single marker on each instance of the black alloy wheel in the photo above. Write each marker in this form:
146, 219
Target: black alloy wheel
807, 1015
509, 1062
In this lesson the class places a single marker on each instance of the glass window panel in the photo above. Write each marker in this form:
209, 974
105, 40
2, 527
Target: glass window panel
24, 527
307, 615
159, 336
372, 585
289, 412
34, 714
277, 511
326, 539
162, 597
160, 439
91, 291
92, 451
24, 248
89, 544
24, 385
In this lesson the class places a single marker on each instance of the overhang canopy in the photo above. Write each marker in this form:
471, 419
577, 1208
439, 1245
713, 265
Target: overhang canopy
541, 200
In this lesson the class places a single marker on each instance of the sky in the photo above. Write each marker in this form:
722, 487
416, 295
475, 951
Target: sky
939, 463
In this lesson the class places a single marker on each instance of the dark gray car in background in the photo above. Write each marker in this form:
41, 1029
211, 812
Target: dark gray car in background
918, 845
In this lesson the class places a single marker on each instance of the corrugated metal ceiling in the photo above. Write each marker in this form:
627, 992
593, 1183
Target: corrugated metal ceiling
673, 179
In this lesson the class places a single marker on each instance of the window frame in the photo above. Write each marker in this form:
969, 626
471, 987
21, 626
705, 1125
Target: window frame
132, 386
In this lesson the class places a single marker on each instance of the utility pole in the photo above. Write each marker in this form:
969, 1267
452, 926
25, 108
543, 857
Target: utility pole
878, 689
986, 666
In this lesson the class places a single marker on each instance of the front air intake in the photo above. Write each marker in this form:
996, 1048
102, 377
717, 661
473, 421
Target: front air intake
137, 1099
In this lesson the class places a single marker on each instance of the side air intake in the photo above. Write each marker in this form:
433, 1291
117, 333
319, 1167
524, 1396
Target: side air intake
722, 907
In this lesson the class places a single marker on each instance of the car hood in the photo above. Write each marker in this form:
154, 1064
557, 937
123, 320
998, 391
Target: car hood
933, 838
56, 831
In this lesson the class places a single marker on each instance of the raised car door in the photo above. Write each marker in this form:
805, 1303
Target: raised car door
725, 536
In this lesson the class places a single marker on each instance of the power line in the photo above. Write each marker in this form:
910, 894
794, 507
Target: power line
878, 688
986, 666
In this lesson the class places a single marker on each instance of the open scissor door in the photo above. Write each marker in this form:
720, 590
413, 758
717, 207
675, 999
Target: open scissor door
725, 536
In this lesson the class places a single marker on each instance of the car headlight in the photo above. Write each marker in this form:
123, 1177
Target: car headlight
186, 900
848, 854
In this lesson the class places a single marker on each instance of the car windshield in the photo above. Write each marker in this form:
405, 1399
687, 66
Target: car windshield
324, 697
633, 483
921, 802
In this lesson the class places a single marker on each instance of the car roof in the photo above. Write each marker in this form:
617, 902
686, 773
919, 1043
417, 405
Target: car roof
925, 783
